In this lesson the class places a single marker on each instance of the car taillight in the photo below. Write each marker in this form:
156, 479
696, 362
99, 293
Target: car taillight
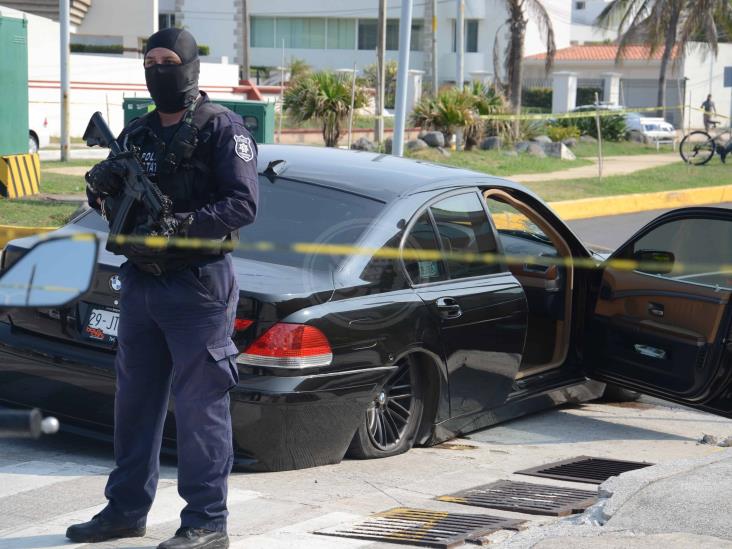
288, 346
241, 324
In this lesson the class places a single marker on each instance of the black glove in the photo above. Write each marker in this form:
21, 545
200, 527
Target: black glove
167, 227
107, 177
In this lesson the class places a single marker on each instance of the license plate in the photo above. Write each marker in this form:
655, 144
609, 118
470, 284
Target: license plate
102, 325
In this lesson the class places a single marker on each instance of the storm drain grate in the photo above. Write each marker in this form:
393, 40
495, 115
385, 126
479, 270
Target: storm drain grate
525, 497
584, 469
423, 527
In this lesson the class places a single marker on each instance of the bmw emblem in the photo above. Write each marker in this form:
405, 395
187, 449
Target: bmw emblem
115, 283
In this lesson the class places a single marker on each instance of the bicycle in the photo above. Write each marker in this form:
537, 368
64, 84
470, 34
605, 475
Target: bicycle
699, 146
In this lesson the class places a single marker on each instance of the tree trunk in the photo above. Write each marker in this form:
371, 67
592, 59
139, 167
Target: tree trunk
668, 50
515, 67
380, 72
331, 132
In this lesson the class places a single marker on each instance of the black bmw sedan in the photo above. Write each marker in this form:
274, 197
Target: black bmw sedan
365, 354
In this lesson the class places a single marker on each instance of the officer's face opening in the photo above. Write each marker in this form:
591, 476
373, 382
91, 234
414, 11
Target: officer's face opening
161, 56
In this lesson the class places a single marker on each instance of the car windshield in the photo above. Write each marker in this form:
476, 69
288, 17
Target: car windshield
293, 212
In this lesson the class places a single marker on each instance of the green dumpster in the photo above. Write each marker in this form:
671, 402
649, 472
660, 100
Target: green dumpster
259, 116
14, 81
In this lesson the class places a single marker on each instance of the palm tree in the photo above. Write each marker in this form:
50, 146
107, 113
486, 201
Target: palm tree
519, 12
325, 97
670, 25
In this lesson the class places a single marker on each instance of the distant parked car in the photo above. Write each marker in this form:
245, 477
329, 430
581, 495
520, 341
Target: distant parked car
650, 129
38, 134
599, 107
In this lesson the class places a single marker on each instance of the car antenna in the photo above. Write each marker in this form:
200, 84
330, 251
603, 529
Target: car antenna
274, 169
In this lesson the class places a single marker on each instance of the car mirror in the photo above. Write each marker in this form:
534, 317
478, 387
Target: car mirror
654, 261
52, 273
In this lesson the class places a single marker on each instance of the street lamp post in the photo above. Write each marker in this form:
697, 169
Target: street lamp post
400, 114
64, 16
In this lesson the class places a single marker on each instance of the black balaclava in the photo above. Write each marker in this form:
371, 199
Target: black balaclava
174, 87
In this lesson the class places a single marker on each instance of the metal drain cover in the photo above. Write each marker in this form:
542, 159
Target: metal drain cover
525, 497
423, 527
584, 469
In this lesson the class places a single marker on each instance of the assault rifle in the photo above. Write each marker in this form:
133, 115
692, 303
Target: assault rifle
137, 187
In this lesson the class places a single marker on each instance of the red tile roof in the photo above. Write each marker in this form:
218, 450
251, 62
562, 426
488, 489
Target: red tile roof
603, 52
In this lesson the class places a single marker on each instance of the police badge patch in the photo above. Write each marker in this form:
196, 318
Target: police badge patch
243, 147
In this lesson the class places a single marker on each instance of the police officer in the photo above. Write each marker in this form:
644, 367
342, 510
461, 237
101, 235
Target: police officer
177, 305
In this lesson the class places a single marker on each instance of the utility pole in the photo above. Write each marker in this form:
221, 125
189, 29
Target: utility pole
65, 82
460, 44
380, 72
435, 80
460, 57
245, 31
400, 111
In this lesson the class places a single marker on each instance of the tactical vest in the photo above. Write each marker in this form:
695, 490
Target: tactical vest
183, 169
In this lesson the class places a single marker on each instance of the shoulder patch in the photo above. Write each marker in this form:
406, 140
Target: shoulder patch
243, 147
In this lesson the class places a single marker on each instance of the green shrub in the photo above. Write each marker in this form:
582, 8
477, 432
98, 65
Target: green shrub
560, 133
539, 98
613, 127
92, 48
203, 49
586, 96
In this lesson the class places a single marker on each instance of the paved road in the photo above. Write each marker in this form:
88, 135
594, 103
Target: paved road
611, 232
48, 484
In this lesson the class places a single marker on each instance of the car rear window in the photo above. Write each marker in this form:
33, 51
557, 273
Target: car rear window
294, 212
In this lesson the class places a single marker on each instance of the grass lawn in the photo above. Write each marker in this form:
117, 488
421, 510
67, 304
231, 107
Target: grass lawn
497, 163
54, 183
621, 148
35, 213
665, 178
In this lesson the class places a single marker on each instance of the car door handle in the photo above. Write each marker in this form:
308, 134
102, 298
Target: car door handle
448, 308
655, 309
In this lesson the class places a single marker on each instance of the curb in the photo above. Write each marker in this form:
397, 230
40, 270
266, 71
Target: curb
616, 491
567, 210
587, 208
9, 232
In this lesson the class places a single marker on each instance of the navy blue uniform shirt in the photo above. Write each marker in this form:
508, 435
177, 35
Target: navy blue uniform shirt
233, 165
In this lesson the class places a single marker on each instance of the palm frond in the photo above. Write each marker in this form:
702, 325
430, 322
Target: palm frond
544, 21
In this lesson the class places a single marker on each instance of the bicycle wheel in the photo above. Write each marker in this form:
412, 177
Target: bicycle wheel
697, 148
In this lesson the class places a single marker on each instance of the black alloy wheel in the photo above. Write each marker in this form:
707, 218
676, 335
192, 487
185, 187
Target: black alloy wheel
392, 419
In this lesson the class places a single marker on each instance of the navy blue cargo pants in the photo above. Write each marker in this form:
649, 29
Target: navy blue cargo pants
174, 337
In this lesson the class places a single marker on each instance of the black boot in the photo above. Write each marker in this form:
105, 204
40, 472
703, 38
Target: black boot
723, 155
196, 538
99, 529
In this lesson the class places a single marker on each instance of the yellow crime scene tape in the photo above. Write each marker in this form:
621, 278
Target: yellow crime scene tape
386, 252
580, 114
160, 243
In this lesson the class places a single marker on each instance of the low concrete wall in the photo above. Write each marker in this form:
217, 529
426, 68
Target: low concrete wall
315, 137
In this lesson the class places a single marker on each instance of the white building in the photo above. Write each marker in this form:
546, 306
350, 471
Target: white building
98, 82
334, 36
634, 83
584, 22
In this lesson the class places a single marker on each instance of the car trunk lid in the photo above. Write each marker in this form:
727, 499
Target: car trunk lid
268, 293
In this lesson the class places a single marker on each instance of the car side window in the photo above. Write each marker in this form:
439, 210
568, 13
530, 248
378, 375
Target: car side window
422, 237
688, 250
463, 227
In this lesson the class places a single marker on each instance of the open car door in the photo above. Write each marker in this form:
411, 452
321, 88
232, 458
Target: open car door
661, 322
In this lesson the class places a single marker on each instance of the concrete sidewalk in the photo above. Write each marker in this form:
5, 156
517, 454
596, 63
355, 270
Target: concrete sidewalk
678, 504
612, 165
